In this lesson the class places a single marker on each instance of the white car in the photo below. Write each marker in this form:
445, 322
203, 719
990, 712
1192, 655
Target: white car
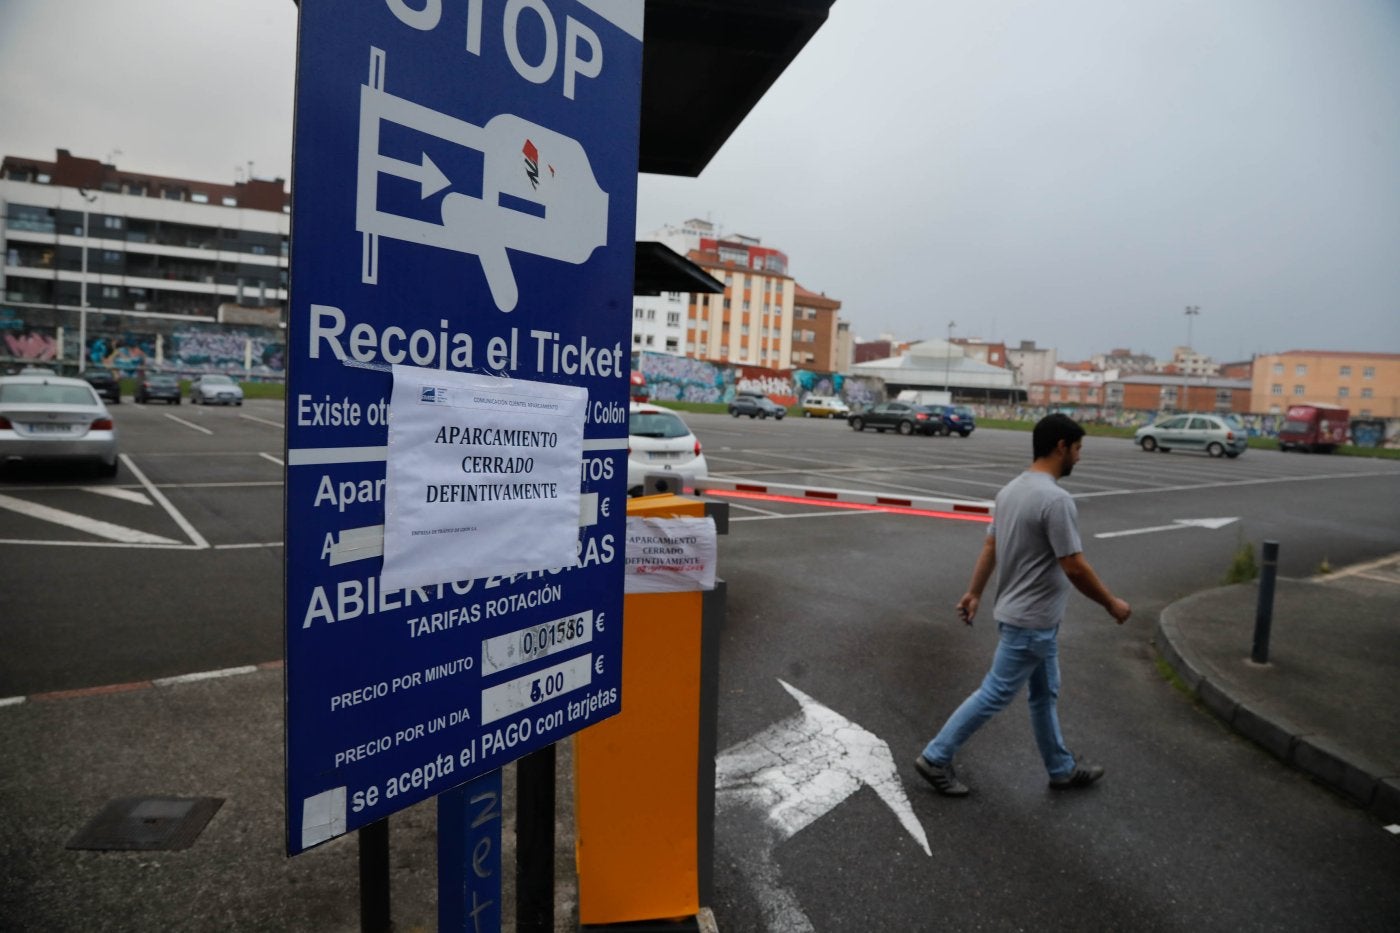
55, 418
215, 389
659, 442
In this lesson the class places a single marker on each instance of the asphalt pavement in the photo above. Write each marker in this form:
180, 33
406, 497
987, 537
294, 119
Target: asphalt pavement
1326, 703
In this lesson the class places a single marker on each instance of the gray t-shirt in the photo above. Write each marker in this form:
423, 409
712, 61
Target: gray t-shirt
1035, 524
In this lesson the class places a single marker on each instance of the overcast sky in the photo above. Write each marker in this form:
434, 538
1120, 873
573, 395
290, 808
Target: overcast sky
1074, 172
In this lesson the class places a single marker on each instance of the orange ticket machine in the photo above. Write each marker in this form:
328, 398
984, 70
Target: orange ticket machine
644, 779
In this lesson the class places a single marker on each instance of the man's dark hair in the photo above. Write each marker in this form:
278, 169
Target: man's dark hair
1052, 429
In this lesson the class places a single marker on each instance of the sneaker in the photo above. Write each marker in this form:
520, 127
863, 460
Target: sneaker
941, 777
1082, 776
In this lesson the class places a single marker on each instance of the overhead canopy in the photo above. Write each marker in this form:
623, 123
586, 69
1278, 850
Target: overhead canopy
705, 64
662, 269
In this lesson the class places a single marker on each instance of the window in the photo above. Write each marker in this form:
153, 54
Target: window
1368, 372
1345, 372
1276, 389
673, 318
1299, 390
636, 340
638, 313
229, 202
111, 223
1278, 369
1366, 392
1343, 392
651, 314
199, 197
1301, 369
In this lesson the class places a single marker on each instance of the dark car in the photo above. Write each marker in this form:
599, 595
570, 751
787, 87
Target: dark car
955, 419
756, 406
904, 417
104, 384
158, 387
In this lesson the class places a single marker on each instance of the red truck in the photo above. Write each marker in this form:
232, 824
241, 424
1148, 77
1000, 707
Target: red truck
1318, 428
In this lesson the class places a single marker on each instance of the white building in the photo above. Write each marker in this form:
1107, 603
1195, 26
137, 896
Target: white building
90, 247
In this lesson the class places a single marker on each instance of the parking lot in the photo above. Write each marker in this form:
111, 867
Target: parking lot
179, 557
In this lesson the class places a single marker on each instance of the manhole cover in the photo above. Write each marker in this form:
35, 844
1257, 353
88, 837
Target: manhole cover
142, 823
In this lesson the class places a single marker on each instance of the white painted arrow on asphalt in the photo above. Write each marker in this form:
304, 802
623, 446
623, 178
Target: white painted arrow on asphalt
1177, 525
799, 769
794, 773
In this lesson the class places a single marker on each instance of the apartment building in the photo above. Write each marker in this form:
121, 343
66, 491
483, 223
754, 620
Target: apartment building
1367, 384
763, 317
816, 332
95, 250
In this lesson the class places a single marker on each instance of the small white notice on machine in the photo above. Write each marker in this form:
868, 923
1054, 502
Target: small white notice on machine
668, 555
483, 477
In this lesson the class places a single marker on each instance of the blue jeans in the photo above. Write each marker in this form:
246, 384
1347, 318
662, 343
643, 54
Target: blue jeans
1024, 656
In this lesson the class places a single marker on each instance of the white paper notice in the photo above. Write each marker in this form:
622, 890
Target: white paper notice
668, 555
483, 477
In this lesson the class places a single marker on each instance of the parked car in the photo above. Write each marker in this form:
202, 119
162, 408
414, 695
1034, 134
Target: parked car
824, 406
955, 419
658, 441
904, 417
1215, 434
158, 387
756, 406
38, 371
55, 418
105, 384
215, 389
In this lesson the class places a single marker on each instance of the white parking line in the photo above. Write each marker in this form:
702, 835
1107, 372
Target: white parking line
174, 513
276, 460
118, 492
188, 424
272, 424
82, 523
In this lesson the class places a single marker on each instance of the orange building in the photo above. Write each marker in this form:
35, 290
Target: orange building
1367, 384
815, 332
1179, 393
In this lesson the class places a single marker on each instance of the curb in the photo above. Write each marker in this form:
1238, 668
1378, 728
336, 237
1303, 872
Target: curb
1349, 775
107, 689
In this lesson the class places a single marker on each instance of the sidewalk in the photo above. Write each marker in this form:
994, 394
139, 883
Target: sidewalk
65, 758
1328, 700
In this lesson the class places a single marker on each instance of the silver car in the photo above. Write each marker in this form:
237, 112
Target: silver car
1217, 435
55, 418
215, 389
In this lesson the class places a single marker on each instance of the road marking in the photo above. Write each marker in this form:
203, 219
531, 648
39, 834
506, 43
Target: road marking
188, 424
792, 774
118, 492
1239, 482
174, 513
1177, 525
272, 424
245, 547
276, 460
82, 523
204, 675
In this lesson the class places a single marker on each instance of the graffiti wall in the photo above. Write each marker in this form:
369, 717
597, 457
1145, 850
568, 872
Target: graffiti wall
679, 379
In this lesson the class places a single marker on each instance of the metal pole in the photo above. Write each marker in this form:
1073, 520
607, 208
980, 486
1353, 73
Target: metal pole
374, 877
534, 842
1264, 615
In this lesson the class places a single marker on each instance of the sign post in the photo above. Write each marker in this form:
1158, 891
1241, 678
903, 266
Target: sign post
462, 249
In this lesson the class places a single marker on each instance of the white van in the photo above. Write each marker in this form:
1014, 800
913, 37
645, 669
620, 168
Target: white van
824, 406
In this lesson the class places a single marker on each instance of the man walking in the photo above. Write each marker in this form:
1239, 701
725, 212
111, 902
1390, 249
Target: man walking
1033, 543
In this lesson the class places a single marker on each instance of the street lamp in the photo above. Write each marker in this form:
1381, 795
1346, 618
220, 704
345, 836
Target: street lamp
1191, 312
88, 198
948, 362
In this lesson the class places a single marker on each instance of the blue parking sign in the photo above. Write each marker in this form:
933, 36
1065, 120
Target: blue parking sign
464, 199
